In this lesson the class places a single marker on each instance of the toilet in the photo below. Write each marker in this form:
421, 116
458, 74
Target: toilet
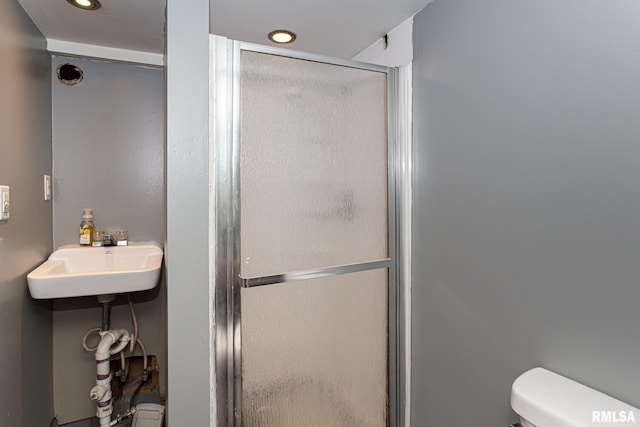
545, 399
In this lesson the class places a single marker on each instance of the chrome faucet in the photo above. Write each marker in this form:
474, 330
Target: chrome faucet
113, 237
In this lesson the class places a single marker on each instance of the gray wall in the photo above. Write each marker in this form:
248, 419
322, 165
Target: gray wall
25, 240
108, 154
527, 202
189, 316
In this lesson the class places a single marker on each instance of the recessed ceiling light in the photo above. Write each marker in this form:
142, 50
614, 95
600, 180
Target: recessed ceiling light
282, 36
86, 4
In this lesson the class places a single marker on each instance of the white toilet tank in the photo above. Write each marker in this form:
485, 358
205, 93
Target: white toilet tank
544, 399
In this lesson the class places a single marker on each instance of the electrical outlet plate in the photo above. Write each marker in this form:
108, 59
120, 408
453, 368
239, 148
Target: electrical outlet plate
5, 203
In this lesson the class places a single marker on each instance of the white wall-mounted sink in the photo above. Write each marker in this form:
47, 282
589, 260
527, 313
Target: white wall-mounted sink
74, 271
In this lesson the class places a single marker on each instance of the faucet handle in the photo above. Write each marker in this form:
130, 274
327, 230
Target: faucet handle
120, 237
98, 238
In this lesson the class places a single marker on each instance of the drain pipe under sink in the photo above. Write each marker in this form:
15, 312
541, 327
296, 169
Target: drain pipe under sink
112, 342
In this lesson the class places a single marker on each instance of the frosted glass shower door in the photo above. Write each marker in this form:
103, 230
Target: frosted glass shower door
314, 243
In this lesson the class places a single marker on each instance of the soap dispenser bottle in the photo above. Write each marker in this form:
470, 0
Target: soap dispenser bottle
86, 227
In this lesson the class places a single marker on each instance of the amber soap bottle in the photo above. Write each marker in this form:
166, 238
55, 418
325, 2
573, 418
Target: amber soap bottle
86, 228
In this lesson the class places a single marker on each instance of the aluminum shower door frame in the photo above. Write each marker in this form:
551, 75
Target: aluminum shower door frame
225, 230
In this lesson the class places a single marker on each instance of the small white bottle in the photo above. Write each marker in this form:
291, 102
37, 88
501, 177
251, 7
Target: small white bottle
86, 227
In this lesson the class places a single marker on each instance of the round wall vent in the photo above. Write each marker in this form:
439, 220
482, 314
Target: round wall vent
69, 74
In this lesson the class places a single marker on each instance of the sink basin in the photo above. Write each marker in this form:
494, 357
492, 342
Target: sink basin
74, 270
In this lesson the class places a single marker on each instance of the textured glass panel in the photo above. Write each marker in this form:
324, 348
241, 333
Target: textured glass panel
313, 171
315, 352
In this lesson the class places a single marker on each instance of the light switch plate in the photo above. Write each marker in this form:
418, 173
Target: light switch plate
5, 203
47, 187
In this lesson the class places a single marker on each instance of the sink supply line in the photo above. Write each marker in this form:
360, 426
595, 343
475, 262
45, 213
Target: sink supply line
135, 340
130, 413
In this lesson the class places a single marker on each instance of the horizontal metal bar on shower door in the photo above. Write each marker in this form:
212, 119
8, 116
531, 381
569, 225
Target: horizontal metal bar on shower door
315, 273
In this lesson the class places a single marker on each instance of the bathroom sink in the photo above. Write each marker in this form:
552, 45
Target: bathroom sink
74, 270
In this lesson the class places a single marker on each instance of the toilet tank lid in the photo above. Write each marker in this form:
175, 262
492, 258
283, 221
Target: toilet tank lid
547, 399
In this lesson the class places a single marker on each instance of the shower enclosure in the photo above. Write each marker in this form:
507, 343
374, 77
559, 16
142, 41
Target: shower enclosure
307, 301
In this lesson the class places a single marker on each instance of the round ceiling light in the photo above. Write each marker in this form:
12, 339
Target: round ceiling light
86, 4
282, 36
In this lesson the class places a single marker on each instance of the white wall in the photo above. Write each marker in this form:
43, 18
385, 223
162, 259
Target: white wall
397, 52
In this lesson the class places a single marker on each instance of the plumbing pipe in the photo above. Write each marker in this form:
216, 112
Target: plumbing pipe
109, 338
134, 337
112, 342
144, 355
106, 316
101, 392
106, 301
